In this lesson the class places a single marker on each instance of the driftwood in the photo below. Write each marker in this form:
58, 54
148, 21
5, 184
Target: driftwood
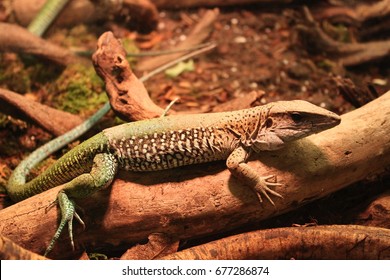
54, 121
128, 96
195, 201
338, 242
88, 11
14, 38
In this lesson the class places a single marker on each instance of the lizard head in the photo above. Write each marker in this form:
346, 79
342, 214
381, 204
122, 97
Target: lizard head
286, 121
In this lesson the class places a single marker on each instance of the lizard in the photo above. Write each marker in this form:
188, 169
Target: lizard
170, 142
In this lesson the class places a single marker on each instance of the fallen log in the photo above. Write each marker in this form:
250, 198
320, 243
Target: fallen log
205, 199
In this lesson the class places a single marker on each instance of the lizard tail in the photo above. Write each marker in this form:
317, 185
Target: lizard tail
18, 176
46, 16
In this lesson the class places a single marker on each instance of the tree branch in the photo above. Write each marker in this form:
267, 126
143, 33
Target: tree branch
198, 200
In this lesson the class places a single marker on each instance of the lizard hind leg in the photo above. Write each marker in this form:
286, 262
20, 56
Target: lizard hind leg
68, 211
101, 175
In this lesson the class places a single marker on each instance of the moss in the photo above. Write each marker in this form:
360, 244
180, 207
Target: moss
26, 73
78, 90
13, 74
3, 120
130, 48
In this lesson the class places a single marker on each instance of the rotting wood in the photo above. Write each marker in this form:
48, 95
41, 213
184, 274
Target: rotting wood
195, 201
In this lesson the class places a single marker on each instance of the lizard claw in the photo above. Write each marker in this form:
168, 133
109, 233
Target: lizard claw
262, 188
68, 211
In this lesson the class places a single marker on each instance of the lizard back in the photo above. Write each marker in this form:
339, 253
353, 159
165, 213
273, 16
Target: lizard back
174, 141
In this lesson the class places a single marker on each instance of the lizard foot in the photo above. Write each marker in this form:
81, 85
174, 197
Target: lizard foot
262, 188
68, 211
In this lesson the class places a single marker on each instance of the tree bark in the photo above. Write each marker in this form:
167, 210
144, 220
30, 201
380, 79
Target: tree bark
205, 199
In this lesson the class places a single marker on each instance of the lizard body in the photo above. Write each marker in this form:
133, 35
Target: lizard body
174, 141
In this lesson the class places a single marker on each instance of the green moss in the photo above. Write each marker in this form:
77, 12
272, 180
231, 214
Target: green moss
25, 73
78, 90
130, 48
13, 74
3, 120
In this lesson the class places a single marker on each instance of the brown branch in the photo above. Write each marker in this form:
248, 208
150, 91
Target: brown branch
52, 120
360, 13
14, 38
11, 251
195, 201
377, 212
197, 35
348, 54
338, 242
77, 12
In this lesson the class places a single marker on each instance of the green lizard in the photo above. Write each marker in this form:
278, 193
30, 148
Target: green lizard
46, 16
170, 142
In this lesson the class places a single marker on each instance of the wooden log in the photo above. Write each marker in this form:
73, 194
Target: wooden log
52, 120
198, 200
14, 38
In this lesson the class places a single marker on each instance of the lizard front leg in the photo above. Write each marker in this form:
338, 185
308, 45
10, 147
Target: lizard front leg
236, 163
101, 175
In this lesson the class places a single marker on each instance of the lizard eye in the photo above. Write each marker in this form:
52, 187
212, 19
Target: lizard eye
268, 123
296, 117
